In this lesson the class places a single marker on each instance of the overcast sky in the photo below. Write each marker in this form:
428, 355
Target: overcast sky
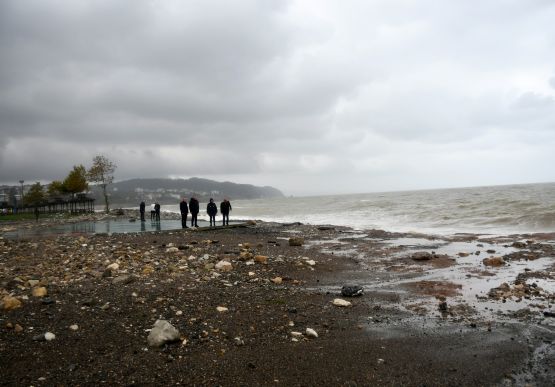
312, 97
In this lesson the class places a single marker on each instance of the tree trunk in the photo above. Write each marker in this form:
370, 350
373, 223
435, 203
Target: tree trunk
105, 198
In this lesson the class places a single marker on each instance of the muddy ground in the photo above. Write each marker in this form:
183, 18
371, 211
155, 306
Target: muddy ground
432, 312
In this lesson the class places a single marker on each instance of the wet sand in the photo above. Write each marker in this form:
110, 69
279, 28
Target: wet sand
432, 313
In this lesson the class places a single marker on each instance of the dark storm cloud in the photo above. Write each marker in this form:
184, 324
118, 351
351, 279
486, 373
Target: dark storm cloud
276, 92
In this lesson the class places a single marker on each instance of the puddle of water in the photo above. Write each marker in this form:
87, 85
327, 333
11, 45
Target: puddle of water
100, 227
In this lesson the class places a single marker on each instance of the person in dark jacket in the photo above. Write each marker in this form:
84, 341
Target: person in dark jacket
212, 210
157, 210
194, 208
184, 211
142, 211
225, 207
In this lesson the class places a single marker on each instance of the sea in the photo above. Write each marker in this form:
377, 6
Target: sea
522, 208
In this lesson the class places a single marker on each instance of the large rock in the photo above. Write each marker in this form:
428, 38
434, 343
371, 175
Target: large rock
351, 291
493, 261
263, 259
162, 332
123, 279
421, 256
40, 291
224, 266
296, 241
341, 303
10, 303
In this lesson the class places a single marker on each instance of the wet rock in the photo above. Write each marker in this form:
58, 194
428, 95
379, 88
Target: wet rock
251, 222
341, 303
40, 291
163, 332
493, 261
442, 307
421, 256
463, 254
351, 290
10, 303
548, 313
296, 241
519, 245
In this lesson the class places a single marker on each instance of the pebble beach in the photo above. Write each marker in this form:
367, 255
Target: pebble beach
262, 303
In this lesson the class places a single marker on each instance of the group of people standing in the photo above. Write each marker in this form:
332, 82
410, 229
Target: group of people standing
194, 208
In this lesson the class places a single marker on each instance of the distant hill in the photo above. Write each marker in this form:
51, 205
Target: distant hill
169, 191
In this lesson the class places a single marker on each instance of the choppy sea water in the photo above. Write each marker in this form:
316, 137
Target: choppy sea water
498, 210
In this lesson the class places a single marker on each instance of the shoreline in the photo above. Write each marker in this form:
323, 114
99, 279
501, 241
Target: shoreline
412, 314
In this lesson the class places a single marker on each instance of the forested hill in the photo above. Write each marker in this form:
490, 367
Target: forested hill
169, 191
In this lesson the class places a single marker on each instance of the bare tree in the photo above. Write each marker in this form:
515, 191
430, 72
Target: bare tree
102, 173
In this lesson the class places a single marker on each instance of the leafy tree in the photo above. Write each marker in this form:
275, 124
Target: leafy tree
56, 188
76, 181
102, 173
35, 195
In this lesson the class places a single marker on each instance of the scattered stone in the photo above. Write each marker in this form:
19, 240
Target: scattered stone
18, 328
311, 332
296, 241
49, 336
221, 309
296, 334
463, 254
239, 341
493, 261
263, 259
251, 222
519, 245
40, 291
421, 256
311, 262
351, 291
10, 303
32, 283
113, 266
490, 251
340, 302
172, 250
123, 279
163, 332
74, 327
224, 266
277, 280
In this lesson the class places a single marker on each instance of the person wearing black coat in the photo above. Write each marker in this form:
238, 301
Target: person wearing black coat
194, 208
184, 211
212, 210
225, 207
142, 211
157, 211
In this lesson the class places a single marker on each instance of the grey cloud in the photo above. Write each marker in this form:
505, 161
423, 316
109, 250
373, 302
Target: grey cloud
290, 93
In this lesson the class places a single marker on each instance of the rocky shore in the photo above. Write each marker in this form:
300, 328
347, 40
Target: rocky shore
274, 304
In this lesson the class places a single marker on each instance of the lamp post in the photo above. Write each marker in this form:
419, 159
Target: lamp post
21, 200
